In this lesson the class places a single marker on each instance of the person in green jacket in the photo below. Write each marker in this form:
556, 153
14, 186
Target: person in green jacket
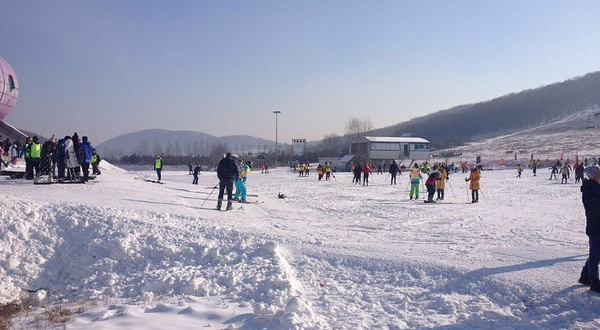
36, 155
158, 165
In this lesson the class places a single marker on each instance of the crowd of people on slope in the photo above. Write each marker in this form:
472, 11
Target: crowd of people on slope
68, 158
230, 173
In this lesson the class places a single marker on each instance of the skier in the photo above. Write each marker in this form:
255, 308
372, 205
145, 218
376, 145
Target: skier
394, 170
534, 167
307, 169
432, 179
379, 169
320, 172
474, 185
226, 172
197, 170
590, 196
36, 155
357, 171
441, 184
519, 171
327, 171
95, 163
565, 171
240, 188
415, 181
366, 171
158, 166
46, 162
579, 170
85, 156
554, 170
300, 170
189, 167
70, 159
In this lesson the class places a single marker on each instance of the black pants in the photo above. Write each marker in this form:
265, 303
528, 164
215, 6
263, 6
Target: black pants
225, 185
86, 171
365, 179
195, 180
356, 178
393, 179
440, 194
95, 169
430, 191
158, 170
35, 165
564, 179
475, 195
28, 169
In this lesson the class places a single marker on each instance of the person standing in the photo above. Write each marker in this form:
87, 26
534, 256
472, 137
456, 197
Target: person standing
432, 179
379, 169
590, 197
227, 171
357, 171
27, 155
441, 183
189, 167
474, 178
95, 162
565, 171
320, 172
415, 181
197, 170
366, 170
327, 171
36, 156
579, 170
46, 163
240, 188
394, 170
158, 166
86, 152
70, 159
519, 171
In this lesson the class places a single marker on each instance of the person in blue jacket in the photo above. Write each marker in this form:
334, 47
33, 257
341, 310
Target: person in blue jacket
86, 152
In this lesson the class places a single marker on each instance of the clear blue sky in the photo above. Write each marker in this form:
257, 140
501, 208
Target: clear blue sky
103, 68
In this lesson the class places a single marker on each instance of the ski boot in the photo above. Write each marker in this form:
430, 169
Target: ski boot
219, 204
243, 201
583, 279
229, 206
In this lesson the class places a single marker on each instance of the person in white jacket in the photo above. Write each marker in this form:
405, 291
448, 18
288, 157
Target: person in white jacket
70, 159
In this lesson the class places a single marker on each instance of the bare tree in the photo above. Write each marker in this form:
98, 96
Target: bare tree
356, 127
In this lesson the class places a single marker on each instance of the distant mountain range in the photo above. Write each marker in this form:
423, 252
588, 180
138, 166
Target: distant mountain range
502, 115
167, 142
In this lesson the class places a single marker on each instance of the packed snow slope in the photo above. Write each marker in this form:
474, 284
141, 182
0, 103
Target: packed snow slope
573, 135
331, 255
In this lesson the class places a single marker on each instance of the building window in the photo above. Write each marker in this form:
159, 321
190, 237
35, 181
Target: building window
385, 146
11, 84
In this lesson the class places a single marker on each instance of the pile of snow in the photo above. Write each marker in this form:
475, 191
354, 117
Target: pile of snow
75, 252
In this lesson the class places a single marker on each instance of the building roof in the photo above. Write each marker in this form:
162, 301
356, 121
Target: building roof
396, 139
346, 158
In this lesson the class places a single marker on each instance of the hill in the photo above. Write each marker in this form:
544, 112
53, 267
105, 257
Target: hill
503, 115
167, 142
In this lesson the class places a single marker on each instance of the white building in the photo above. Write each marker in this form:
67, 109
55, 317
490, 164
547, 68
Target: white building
391, 148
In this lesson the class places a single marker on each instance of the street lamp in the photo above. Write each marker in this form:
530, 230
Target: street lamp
276, 142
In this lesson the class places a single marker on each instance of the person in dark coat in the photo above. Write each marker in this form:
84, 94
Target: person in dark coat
197, 170
357, 171
190, 167
46, 160
590, 196
227, 172
432, 179
76, 145
394, 170
86, 152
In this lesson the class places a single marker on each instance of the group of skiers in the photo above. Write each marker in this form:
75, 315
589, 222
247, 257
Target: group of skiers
324, 170
303, 169
62, 159
230, 173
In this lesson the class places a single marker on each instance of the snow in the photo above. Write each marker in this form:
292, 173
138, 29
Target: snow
331, 255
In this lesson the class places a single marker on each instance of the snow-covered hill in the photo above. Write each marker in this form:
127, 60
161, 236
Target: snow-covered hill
123, 253
573, 135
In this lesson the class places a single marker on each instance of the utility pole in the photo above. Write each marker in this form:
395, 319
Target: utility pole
276, 139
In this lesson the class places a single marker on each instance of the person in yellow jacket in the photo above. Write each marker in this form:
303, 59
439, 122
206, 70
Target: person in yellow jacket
158, 165
415, 180
307, 169
474, 185
36, 156
441, 184
327, 171
320, 172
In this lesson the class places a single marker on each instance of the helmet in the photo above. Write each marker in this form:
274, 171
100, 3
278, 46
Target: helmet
249, 163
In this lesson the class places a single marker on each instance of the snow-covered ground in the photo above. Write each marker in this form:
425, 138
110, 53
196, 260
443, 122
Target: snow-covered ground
139, 255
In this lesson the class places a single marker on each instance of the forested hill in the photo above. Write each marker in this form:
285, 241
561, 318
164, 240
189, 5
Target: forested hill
512, 112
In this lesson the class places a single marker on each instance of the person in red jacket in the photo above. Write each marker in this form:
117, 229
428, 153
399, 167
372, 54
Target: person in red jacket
366, 171
433, 178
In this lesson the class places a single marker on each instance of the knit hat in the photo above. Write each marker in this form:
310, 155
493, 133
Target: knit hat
591, 171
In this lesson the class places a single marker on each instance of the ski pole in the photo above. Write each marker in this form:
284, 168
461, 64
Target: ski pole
452, 190
406, 191
214, 188
467, 192
483, 195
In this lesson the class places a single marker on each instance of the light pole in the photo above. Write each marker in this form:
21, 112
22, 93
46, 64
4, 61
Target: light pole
276, 142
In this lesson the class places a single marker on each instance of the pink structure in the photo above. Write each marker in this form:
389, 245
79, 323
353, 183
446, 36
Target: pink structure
9, 89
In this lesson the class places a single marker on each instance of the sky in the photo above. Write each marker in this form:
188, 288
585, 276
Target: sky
104, 68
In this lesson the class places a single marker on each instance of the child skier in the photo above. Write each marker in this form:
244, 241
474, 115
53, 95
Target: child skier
474, 185
415, 181
320, 172
441, 184
434, 177
519, 170
366, 171
240, 190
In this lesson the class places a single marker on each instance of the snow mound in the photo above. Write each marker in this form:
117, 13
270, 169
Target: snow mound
76, 252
